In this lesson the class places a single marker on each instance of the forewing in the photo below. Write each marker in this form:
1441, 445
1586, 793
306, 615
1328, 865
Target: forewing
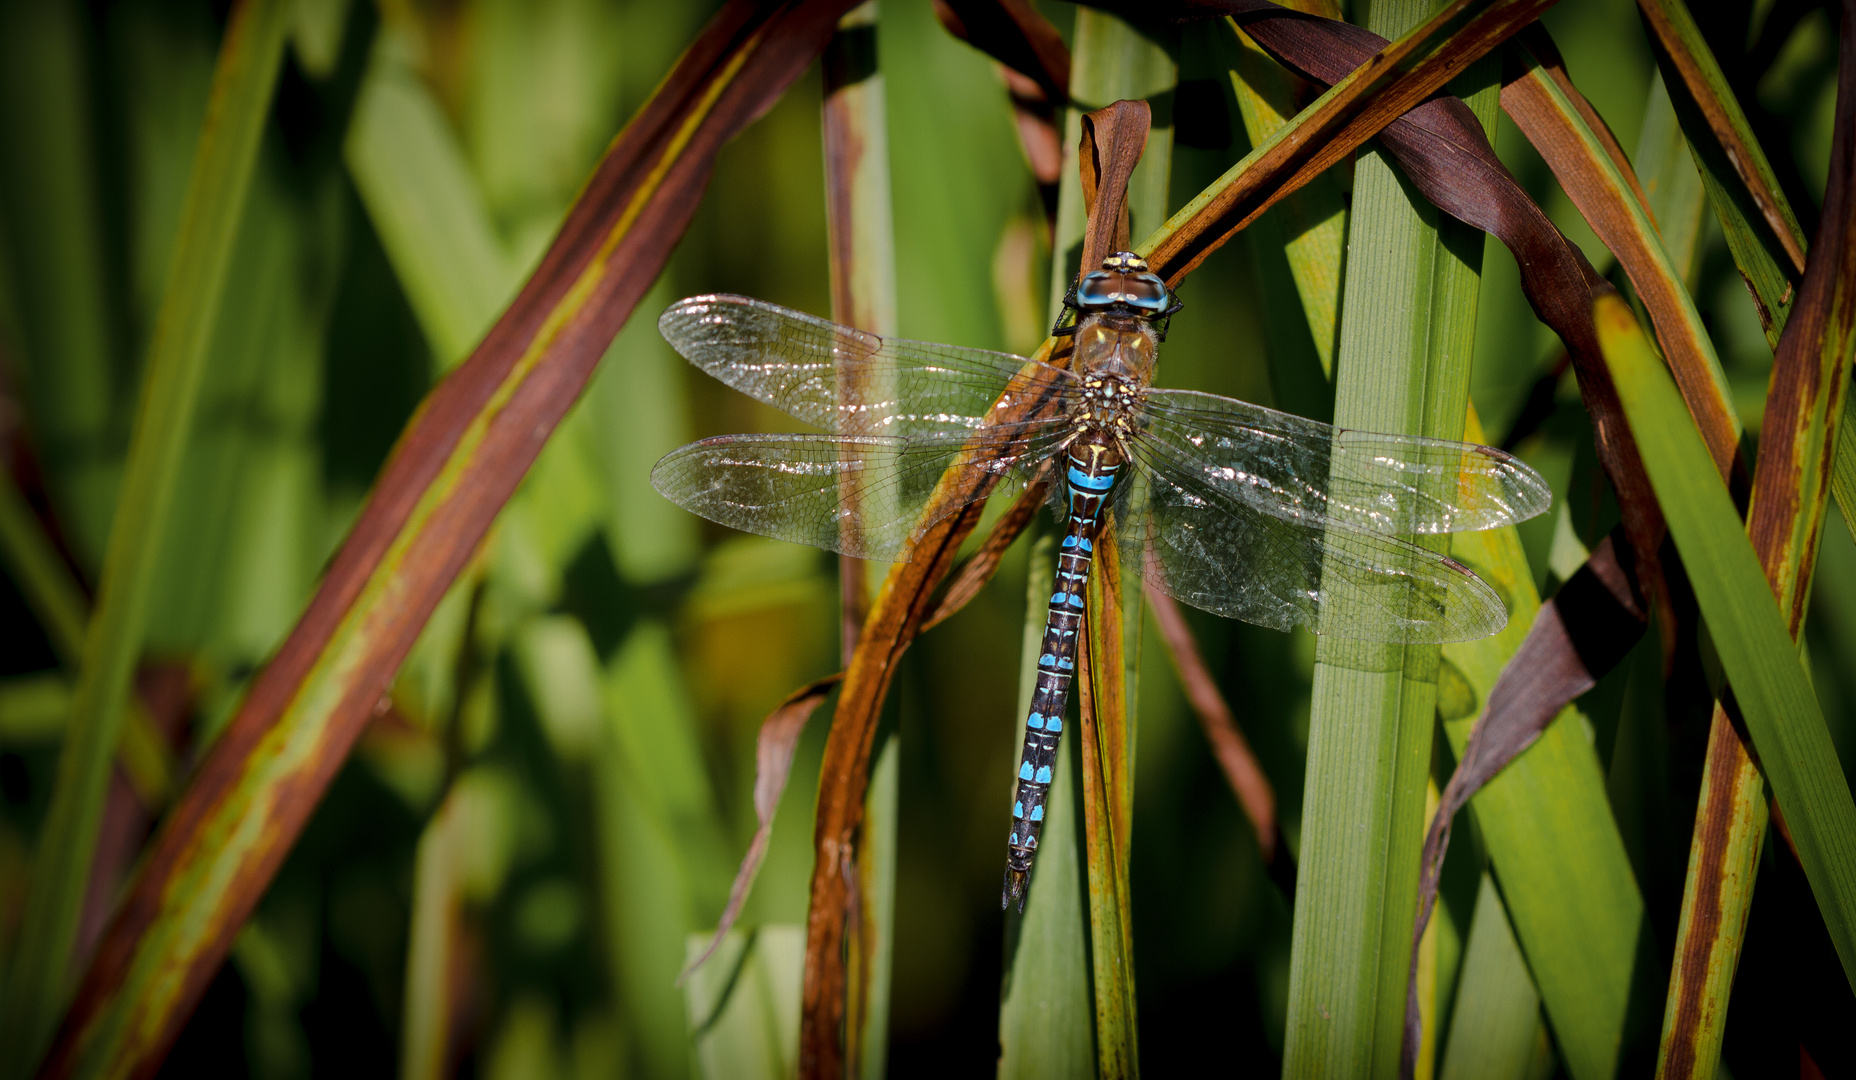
1205, 546
863, 496
1301, 470
846, 381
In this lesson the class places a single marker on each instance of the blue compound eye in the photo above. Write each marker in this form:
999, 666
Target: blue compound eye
1142, 291
1145, 291
1098, 289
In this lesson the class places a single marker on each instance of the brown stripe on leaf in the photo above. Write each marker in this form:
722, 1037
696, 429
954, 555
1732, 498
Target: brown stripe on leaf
462, 456
1791, 491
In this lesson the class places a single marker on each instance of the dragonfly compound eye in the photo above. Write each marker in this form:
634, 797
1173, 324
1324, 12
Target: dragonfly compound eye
1140, 293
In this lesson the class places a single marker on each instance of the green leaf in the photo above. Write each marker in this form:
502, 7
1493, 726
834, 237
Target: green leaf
1546, 823
1762, 231
33, 708
744, 1003
56, 245
1305, 235
1495, 1030
1670, 181
662, 861
1756, 651
38, 983
419, 192
1406, 337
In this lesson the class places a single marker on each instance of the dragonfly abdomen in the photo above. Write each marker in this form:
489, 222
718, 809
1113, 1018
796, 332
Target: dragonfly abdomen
1091, 468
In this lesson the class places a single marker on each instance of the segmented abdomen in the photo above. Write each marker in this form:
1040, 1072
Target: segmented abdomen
1092, 464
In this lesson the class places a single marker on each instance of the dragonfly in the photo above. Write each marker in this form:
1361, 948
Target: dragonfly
1231, 507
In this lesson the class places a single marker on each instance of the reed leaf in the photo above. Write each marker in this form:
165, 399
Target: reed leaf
1570, 898
61, 326
1592, 171
1762, 232
39, 979
1306, 236
745, 1005
56, 598
1406, 335
1799, 447
1495, 1031
456, 465
1670, 181
419, 193
1749, 631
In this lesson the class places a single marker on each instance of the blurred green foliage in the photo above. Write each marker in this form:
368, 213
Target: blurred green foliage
509, 868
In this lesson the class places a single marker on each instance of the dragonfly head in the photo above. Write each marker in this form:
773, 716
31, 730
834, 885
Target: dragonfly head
1123, 288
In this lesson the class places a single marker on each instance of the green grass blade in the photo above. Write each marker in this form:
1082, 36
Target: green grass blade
425, 204
1843, 470
37, 985
63, 611
876, 869
40, 572
744, 1003
1406, 336
1311, 225
464, 854
1749, 634
1046, 1025
1495, 1029
663, 858
1305, 234
55, 241
1546, 823
1762, 232
1670, 181
33, 708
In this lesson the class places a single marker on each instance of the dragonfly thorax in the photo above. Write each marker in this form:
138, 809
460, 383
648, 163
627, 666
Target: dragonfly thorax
1112, 347
1108, 405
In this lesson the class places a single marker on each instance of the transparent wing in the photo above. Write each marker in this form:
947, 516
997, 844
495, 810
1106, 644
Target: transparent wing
843, 380
1305, 471
860, 495
1214, 550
